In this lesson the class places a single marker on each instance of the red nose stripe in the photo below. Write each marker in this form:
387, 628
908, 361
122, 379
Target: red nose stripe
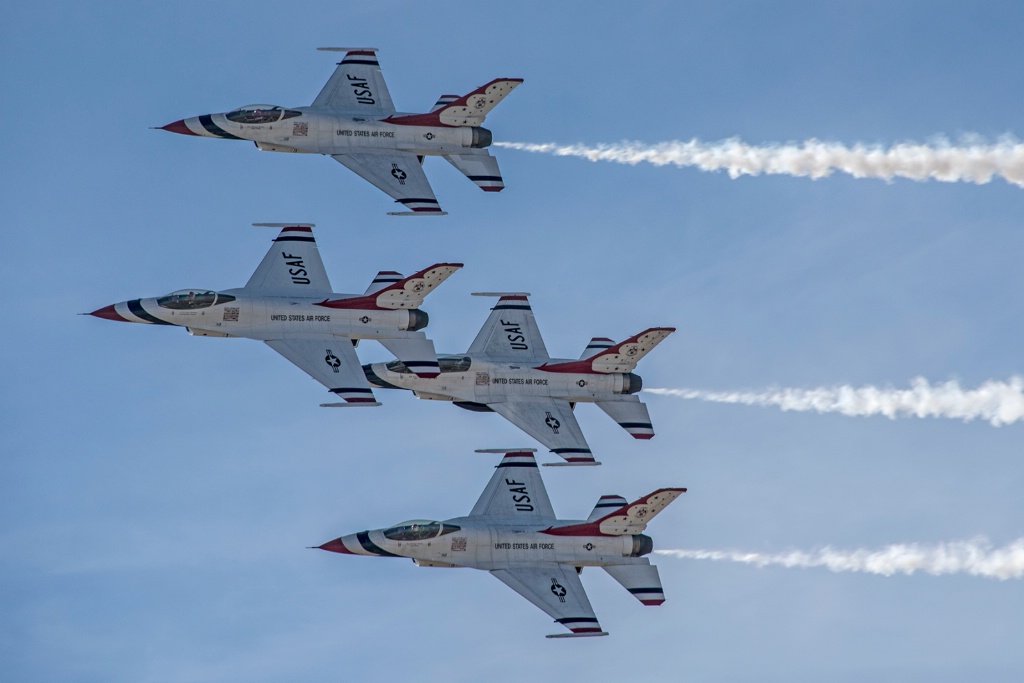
178, 127
109, 313
336, 546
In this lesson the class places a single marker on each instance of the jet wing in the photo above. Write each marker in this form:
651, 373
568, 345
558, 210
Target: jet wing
557, 590
510, 331
550, 421
332, 361
399, 174
357, 86
516, 491
292, 266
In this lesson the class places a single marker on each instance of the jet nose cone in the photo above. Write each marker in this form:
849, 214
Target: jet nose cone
109, 313
178, 127
336, 546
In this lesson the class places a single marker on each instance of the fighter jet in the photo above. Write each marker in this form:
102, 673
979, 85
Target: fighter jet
507, 370
512, 532
289, 304
354, 121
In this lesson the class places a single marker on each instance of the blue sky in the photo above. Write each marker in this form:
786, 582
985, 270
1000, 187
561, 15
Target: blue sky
157, 491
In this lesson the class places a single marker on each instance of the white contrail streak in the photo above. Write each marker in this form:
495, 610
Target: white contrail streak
976, 557
1001, 403
972, 161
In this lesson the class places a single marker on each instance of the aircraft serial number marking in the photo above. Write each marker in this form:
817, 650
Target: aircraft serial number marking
524, 546
301, 318
366, 133
518, 380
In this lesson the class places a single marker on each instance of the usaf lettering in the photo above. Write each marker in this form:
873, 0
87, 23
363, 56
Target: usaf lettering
515, 335
297, 269
520, 497
361, 90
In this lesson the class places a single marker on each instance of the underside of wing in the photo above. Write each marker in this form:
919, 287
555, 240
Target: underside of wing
510, 331
399, 174
550, 421
558, 591
515, 492
357, 87
332, 361
292, 266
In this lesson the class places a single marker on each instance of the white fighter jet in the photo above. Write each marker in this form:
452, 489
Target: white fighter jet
512, 532
354, 121
507, 370
289, 304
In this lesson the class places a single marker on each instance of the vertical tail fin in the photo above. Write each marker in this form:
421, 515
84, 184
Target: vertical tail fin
621, 357
468, 110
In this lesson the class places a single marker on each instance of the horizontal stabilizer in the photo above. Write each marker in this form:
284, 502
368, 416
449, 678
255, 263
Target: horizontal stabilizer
621, 357
384, 279
641, 580
597, 345
350, 405
443, 101
631, 414
417, 353
577, 635
628, 519
417, 213
605, 505
479, 167
406, 293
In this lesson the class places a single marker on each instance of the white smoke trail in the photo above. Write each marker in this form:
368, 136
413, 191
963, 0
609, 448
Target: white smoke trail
972, 161
976, 557
1001, 403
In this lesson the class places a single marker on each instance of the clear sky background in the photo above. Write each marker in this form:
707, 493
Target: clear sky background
158, 491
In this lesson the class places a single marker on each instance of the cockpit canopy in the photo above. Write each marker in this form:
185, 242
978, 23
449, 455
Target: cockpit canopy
446, 364
419, 530
261, 113
191, 299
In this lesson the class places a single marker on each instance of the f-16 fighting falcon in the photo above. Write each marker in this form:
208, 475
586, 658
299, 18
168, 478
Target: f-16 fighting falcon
354, 121
289, 304
512, 532
507, 370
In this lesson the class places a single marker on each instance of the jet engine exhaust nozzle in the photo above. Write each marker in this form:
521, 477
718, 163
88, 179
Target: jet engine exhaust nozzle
481, 138
417, 320
632, 383
642, 545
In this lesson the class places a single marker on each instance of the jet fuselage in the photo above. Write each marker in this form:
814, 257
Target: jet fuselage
471, 542
314, 130
475, 380
234, 313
